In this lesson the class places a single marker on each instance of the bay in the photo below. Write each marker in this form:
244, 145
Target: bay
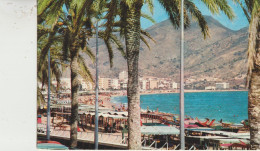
230, 106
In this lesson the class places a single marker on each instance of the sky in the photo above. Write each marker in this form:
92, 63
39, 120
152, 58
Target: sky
239, 22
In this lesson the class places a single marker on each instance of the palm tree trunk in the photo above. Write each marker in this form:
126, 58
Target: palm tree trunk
74, 97
132, 38
254, 85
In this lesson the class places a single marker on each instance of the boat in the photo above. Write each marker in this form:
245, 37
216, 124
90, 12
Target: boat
204, 124
190, 123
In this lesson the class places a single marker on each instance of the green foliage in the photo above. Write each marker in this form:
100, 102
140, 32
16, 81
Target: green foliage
148, 17
64, 23
215, 6
251, 9
150, 5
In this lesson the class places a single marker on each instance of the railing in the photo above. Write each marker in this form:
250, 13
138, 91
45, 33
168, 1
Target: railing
167, 145
124, 141
154, 142
176, 147
192, 147
144, 141
206, 147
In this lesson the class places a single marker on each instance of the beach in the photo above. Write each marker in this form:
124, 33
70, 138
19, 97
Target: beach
105, 98
162, 111
231, 106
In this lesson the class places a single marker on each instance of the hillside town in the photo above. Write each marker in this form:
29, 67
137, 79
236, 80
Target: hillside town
151, 83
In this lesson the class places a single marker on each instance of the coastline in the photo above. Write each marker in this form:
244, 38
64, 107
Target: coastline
230, 119
106, 99
176, 91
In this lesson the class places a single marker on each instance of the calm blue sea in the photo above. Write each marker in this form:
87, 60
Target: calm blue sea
229, 106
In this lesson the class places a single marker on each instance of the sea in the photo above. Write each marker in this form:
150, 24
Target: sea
230, 106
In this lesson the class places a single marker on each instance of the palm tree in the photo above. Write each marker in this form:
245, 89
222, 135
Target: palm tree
251, 9
131, 29
42, 64
73, 36
73, 22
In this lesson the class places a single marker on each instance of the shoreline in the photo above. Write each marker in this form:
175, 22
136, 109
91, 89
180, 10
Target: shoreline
193, 91
106, 99
165, 92
176, 91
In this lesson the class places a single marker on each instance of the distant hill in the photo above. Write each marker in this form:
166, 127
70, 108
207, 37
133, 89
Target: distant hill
223, 55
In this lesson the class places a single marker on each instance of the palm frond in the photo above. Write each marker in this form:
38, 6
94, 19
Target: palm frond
173, 10
196, 14
84, 71
150, 5
40, 97
145, 42
56, 70
54, 12
148, 17
244, 9
251, 53
147, 35
110, 51
89, 53
225, 8
45, 49
211, 6
110, 16
118, 44
43, 5
42, 30
83, 39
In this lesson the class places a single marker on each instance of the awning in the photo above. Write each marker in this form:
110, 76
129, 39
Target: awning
159, 130
117, 117
231, 141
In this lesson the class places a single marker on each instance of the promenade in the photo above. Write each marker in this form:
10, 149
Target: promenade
113, 140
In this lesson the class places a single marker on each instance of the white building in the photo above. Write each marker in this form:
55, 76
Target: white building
210, 88
223, 85
104, 83
174, 85
161, 86
123, 85
143, 84
153, 83
123, 75
115, 84
86, 85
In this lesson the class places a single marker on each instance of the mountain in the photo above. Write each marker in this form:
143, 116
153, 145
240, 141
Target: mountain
222, 55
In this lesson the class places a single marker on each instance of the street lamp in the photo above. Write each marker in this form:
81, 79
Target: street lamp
182, 137
49, 99
96, 102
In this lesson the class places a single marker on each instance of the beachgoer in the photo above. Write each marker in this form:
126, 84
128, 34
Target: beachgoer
106, 127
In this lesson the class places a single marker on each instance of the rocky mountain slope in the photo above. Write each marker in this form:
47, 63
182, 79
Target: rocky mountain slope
222, 55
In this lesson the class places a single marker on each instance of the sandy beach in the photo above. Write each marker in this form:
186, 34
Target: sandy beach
105, 98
